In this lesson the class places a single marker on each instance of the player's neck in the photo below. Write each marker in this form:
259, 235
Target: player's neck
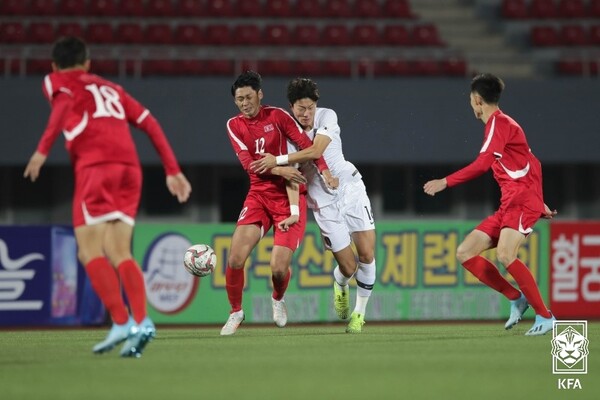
73, 68
488, 110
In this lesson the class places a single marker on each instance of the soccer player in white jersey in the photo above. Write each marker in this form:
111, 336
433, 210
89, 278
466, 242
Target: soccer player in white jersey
344, 216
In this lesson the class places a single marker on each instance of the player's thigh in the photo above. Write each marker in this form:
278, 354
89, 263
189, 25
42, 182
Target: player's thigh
281, 259
365, 245
346, 260
90, 241
117, 241
334, 232
474, 244
243, 241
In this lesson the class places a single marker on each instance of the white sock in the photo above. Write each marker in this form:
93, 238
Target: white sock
365, 279
339, 278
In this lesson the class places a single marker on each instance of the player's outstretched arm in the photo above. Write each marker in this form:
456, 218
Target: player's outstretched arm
32, 170
293, 192
179, 186
549, 214
434, 186
290, 174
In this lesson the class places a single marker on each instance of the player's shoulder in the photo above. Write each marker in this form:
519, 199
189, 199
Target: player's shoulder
325, 112
275, 112
506, 120
100, 81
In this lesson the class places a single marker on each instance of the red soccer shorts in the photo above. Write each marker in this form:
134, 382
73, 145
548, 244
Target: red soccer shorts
266, 210
516, 217
106, 192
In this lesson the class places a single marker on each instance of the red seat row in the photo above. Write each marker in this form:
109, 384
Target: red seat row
222, 34
574, 66
522, 9
565, 35
340, 68
217, 8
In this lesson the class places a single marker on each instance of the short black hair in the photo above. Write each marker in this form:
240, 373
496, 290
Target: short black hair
248, 78
69, 51
301, 88
488, 86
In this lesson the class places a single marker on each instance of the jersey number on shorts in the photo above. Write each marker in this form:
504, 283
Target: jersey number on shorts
243, 213
108, 103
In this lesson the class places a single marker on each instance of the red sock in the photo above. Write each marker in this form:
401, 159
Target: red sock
527, 284
234, 283
280, 285
135, 289
487, 273
105, 282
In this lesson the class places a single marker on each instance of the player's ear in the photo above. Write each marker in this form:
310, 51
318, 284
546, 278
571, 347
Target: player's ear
54, 67
87, 64
260, 94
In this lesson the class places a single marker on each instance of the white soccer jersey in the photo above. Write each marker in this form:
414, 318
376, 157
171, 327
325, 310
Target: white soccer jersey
326, 123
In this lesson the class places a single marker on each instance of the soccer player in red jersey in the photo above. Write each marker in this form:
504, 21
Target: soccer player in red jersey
94, 115
519, 175
260, 129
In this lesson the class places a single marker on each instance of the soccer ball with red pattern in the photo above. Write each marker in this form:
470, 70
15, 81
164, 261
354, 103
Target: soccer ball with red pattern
200, 260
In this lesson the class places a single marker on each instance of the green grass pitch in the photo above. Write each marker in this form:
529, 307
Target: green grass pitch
309, 362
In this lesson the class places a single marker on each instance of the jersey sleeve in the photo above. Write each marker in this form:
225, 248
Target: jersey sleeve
61, 103
239, 147
294, 132
328, 125
141, 118
477, 168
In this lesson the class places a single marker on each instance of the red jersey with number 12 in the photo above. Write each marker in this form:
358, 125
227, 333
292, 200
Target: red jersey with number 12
517, 171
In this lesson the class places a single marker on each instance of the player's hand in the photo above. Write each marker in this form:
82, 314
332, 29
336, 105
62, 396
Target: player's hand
549, 214
331, 181
261, 166
179, 186
289, 173
434, 186
32, 170
289, 221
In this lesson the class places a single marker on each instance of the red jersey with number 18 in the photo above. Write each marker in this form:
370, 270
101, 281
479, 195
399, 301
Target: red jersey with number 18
96, 120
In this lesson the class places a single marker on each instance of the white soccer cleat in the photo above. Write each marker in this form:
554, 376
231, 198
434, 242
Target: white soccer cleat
541, 326
234, 320
517, 309
117, 334
279, 312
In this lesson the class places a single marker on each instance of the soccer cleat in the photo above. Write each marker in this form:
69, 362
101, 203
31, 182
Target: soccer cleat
341, 300
517, 309
541, 326
234, 320
117, 334
279, 312
356, 323
141, 335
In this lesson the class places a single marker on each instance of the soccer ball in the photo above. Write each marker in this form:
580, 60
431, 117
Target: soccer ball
200, 260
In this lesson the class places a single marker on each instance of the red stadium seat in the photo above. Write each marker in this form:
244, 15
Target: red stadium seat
392, 67
99, 32
366, 35
248, 8
426, 67
10, 66
38, 67
190, 67
306, 35
570, 66
397, 9
595, 35
514, 9
246, 35
190, 8
219, 8
573, 35
337, 68
426, 35
69, 29
454, 66
12, 32
275, 67
189, 34
542, 9
337, 9
14, 7
219, 67
158, 34
594, 8
104, 67
276, 35
307, 67
309, 9
335, 35
102, 8
367, 9
158, 67
159, 8
130, 33
218, 34
71, 7
132, 8
40, 32
594, 67
41, 7
544, 36
396, 35
571, 9
278, 8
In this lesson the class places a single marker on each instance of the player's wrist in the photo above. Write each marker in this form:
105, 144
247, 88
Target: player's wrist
282, 160
294, 210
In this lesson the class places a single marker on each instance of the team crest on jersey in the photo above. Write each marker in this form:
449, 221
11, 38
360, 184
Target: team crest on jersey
269, 128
